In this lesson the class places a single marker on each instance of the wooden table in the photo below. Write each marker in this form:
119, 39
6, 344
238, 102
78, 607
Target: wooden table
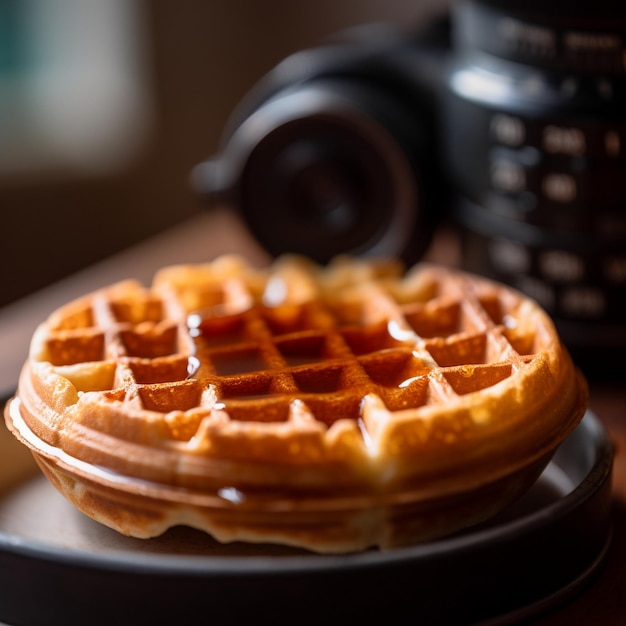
603, 600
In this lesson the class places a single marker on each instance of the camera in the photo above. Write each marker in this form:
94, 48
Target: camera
504, 118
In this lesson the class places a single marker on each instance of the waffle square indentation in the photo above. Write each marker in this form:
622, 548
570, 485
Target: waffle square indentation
69, 349
319, 379
150, 342
395, 369
166, 397
303, 349
369, 339
159, 370
467, 378
238, 360
136, 311
434, 321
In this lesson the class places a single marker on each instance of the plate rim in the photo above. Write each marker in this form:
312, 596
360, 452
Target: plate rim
235, 565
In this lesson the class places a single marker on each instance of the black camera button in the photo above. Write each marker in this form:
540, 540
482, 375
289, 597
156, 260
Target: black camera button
508, 130
596, 192
560, 187
568, 140
508, 176
608, 142
514, 171
561, 266
583, 301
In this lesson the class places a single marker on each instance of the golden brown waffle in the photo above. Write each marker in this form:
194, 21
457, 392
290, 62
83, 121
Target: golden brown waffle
333, 409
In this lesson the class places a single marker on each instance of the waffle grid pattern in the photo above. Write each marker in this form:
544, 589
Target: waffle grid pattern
217, 345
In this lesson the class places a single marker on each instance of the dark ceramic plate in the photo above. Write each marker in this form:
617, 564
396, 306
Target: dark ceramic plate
58, 567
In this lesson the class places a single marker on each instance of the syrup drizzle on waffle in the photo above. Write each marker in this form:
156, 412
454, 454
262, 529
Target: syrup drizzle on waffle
266, 350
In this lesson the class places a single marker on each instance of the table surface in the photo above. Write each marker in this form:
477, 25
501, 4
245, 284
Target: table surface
603, 600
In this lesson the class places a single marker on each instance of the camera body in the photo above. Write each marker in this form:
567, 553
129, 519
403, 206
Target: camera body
508, 118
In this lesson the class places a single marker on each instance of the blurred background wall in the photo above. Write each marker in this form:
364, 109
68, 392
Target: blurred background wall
106, 105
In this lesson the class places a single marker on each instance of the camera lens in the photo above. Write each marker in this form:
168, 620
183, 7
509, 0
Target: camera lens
327, 168
334, 160
535, 145
327, 177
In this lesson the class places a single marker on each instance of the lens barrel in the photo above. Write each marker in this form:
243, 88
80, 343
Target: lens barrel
333, 153
534, 141
327, 170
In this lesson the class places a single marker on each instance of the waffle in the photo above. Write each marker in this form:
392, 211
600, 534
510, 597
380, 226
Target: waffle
334, 408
